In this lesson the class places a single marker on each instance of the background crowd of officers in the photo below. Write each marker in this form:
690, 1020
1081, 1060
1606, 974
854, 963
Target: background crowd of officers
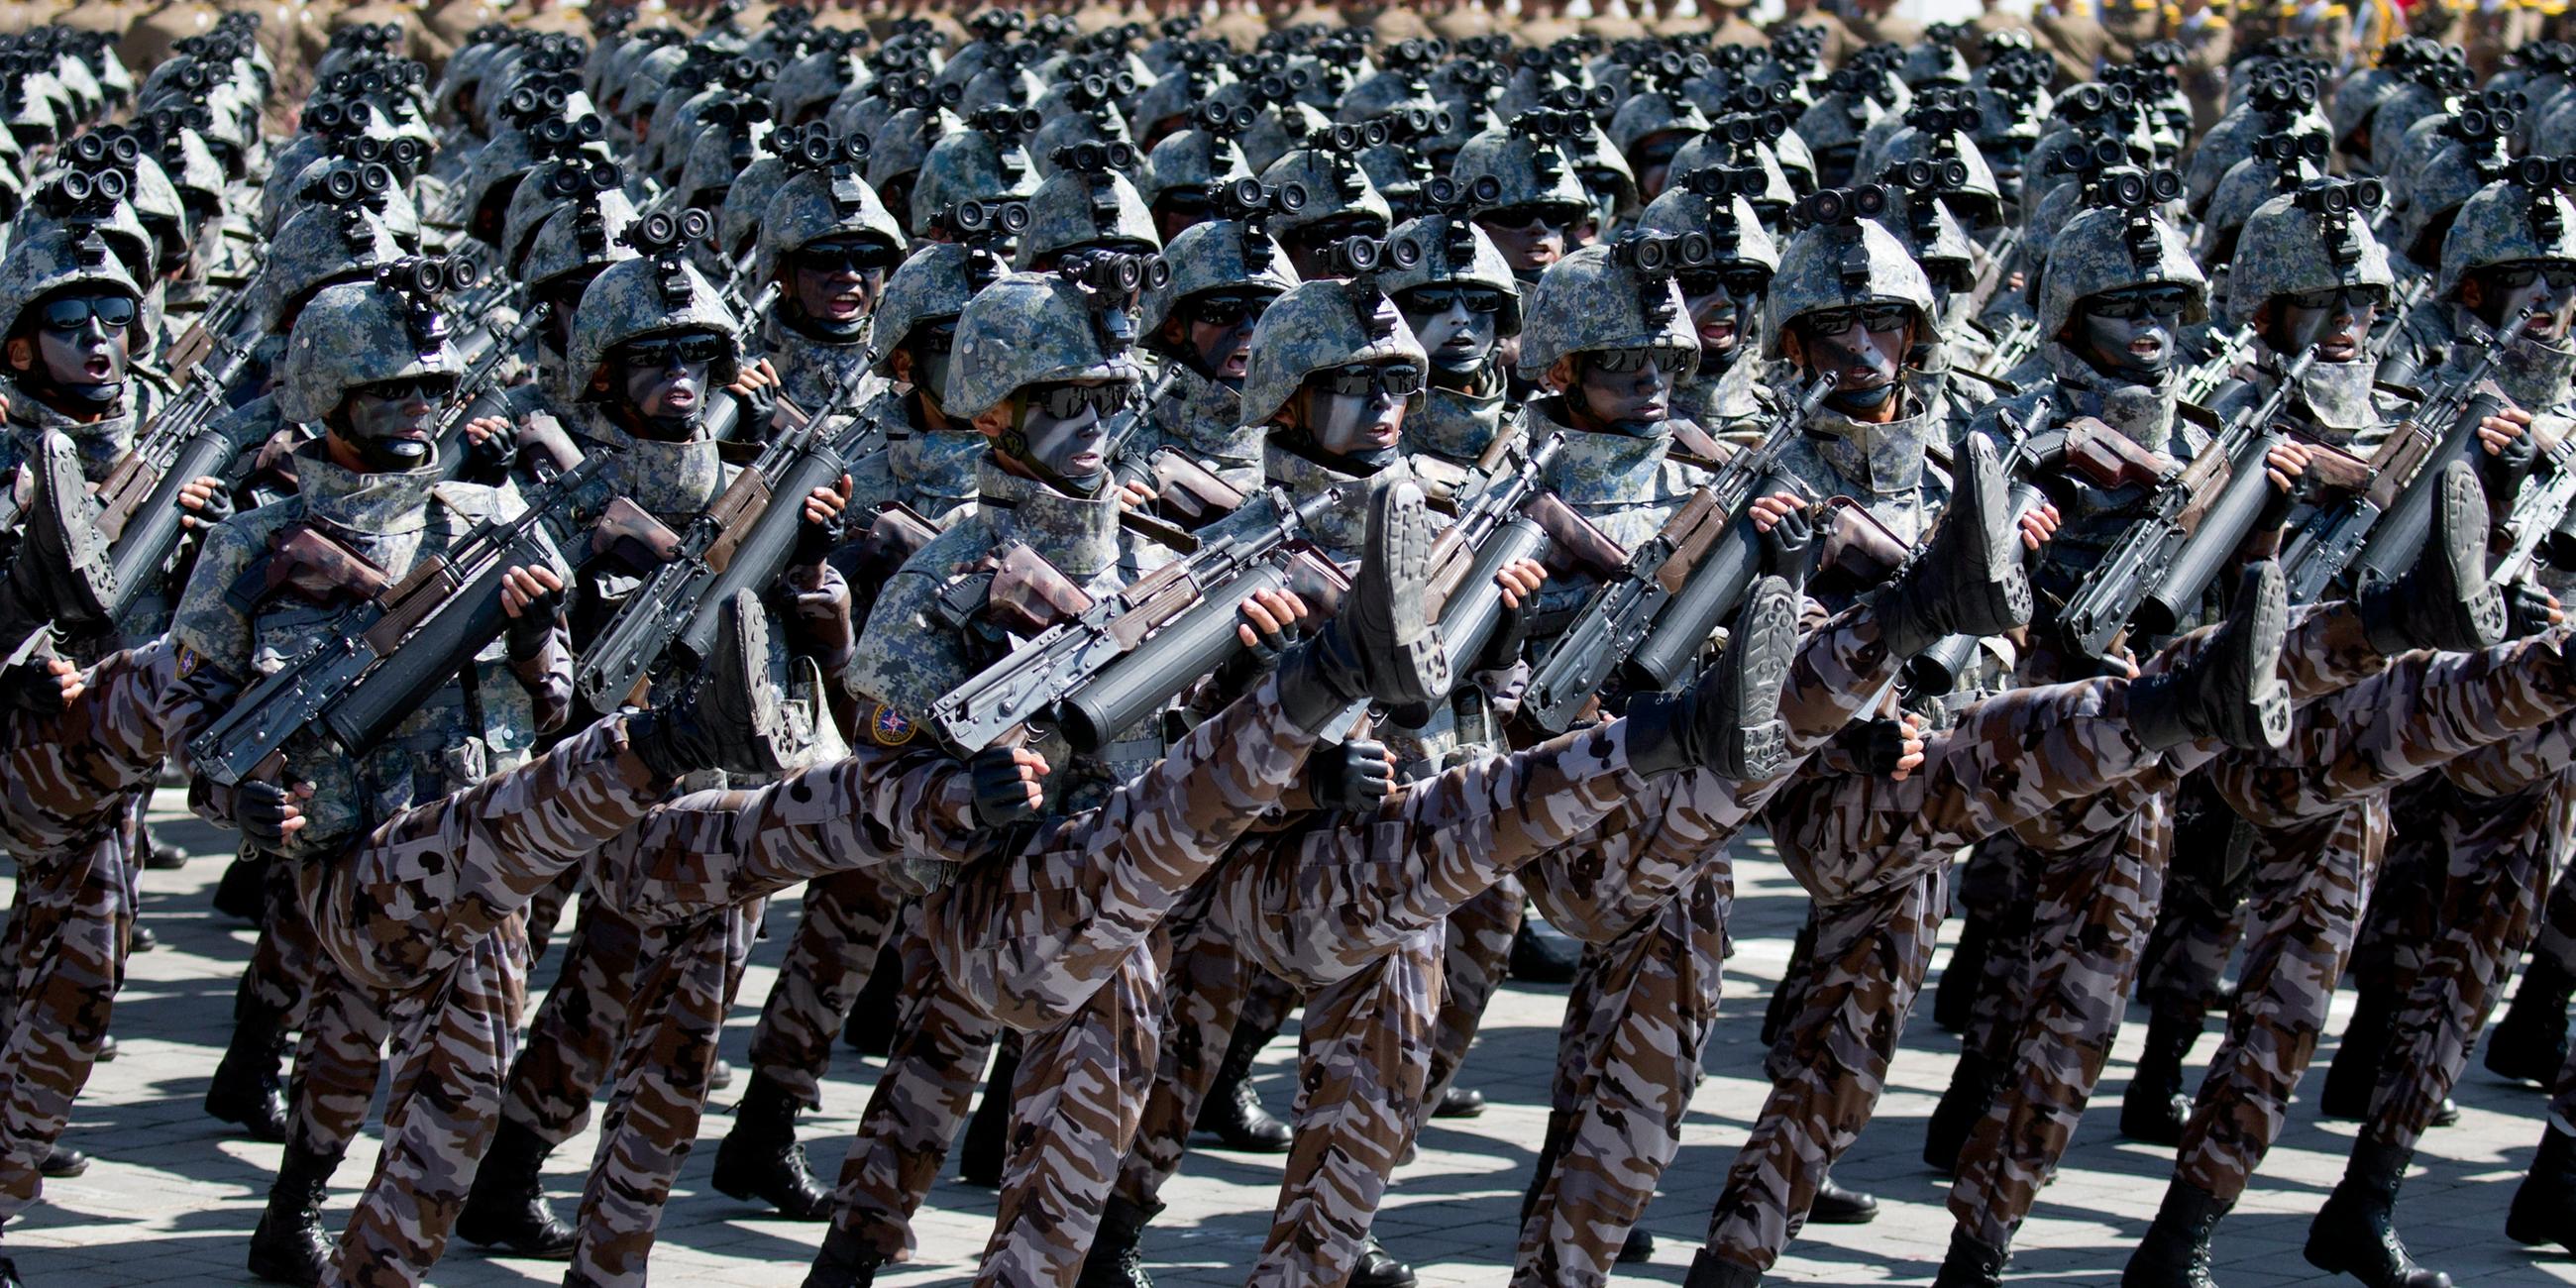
1155, 520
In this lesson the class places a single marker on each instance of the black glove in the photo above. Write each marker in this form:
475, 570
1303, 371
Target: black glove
527, 633
1001, 795
1356, 779
489, 461
260, 811
2527, 606
815, 542
1789, 547
1503, 648
218, 507
1876, 745
31, 688
1238, 675
2277, 506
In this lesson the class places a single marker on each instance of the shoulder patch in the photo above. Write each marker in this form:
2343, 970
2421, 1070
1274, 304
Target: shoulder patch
889, 727
189, 660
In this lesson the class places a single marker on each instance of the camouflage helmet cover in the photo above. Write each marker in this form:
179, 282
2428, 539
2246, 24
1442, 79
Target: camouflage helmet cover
1076, 209
1437, 241
51, 259
2097, 251
2288, 248
1214, 255
1596, 299
1838, 265
645, 296
354, 334
1031, 329
2513, 219
1317, 326
815, 204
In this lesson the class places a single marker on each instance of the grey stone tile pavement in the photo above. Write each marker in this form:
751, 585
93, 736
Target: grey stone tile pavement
171, 1199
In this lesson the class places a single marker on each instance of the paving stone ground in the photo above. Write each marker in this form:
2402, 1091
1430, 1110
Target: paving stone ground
171, 1200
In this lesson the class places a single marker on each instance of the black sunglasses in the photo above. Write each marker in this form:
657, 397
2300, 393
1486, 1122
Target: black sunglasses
428, 387
2517, 276
671, 351
1621, 362
2343, 297
1552, 214
1064, 402
1225, 310
1733, 281
114, 312
1361, 379
1440, 299
2139, 302
1868, 317
853, 256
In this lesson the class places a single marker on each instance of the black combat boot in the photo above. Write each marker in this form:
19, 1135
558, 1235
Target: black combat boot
2355, 1233
2175, 1253
9, 1274
2155, 1108
1117, 1259
2444, 601
1459, 1102
2232, 691
2355, 1071
241, 893
1543, 954
870, 1028
1233, 1111
732, 717
1709, 1270
986, 1145
160, 855
1834, 1205
1971, 1264
1970, 580
1638, 1248
506, 1209
2530, 1043
2544, 1207
844, 1261
63, 1162
1954, 999
1729, 722
1375, 1269
289, 1246
62, 572
1381, 646
246, 1091
761, 1159
1973, 1084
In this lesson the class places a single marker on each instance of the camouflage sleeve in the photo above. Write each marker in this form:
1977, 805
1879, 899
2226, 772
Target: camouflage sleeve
907, 658
547, 674
214, 655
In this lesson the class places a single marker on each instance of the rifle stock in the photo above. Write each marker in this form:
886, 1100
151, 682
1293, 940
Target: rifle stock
2230, 517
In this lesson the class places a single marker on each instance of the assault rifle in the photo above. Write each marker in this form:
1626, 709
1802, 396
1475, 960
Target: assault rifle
402, 645
1490, 534
2209, 373
2537, 512
740, 542
1673, 591
139, 500
2231, 514
469, 396
2385, 549
1121, 658
2014, 344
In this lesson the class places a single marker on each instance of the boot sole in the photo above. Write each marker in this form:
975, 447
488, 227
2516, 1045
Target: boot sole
64, 505
1757, 665
2459, 543
1410, 664
2253, 663
1982, 503
742, 650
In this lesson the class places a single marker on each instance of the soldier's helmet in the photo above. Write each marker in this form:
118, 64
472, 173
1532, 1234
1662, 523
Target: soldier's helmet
1044, 328
1715, 204
1450, 250
2315, 239
2277, 166
1530, 163
1188, 164
981, 160
1841, 257
1650, 115
1318, 326
355, 334
1618, 295
1089, 203
2524, 217
1340, 198
2119, 242
727, 143
823, 197
385, 192
1738, 142
2445, 160
1231, 252
1940, 131
807, 85
656, 293
586, 230
58, 258
738, 219
330, 242
930, 287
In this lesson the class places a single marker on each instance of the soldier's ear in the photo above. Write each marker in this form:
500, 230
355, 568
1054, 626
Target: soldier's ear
996, 420
1793, 345
1560, 375
2473, 292
901, 361
22, 354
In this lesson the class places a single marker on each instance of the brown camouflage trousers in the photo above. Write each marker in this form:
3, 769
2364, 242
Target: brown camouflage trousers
72, 776
1204, 994
2201, 918
921, 1098
2476, 867
2557, 937
285, 957
659, 1094
845, 921
1474, 956
339, 1054
575, 1036
1628, 1063
2562, 1095
1875, 854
